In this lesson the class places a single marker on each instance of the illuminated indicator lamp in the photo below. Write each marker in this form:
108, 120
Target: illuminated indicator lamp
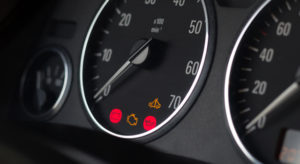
132, 120
115, 116
154, 104
149, 123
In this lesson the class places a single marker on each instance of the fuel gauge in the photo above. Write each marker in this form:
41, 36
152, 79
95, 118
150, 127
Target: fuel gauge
46, 83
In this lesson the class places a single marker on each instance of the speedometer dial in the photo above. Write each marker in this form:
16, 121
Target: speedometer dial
143, 62
262, 85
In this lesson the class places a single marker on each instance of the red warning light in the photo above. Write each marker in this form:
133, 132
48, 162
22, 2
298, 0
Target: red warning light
149, 123
115, 116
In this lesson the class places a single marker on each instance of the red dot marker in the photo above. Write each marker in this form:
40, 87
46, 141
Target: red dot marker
149, 123
115, 116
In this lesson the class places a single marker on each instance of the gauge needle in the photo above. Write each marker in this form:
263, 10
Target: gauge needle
138, 57
38, 80
41, 95
281, 99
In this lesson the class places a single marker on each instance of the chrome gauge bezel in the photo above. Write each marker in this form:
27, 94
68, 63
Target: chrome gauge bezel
190, 96
230, 122
61, 53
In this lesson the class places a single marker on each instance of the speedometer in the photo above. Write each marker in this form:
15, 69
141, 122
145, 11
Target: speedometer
262, 85
143, 62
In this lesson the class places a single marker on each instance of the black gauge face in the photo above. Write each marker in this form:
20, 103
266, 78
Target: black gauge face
141, 63
45, 83
262, 84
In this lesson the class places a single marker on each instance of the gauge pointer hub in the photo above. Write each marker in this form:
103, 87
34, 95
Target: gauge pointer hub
138, 57
286, 95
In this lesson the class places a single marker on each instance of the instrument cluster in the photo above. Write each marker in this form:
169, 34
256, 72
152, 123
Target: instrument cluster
183, 76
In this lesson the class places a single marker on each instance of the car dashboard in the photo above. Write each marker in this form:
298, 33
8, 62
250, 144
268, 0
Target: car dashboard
150, 81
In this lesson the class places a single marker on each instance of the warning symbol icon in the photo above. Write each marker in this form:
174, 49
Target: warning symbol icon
132, 120
154, 104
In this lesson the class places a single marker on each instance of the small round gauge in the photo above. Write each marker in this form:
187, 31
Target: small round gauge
262, 84
45, 83
143, 62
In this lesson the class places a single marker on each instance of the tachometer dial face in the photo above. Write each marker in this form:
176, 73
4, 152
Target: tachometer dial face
262, 84
142, 63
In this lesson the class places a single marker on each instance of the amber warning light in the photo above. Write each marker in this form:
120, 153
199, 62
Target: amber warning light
154, 104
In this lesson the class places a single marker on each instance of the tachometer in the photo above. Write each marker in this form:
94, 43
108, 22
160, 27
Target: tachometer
262, 85
142, 63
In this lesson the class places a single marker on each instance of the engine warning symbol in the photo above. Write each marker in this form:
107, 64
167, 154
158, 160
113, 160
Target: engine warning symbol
154, 104
115, 116
132, 120
149, 123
